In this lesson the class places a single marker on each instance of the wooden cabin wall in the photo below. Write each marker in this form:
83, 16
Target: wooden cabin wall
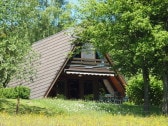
82, 83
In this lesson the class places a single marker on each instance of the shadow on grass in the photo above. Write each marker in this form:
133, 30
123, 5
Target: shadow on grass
4, 105
126, 109
45, 107
8, 106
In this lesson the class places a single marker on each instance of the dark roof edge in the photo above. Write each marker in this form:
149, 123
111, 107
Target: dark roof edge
119, 77
58, 74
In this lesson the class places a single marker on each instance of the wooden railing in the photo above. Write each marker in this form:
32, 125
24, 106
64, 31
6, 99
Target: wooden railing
83, 61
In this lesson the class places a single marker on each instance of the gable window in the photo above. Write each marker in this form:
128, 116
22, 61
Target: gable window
88, 51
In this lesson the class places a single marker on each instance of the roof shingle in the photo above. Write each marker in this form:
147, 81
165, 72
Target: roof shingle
53, 52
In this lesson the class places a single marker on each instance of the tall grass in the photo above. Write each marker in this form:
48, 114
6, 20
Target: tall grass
92, 119
58, 112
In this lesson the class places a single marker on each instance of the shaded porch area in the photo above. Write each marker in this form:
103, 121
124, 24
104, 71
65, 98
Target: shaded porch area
88, 79
86, 87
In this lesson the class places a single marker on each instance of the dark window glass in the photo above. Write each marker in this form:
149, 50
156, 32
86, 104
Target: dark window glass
88, 87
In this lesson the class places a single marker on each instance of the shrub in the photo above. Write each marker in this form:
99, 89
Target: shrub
60, 96
14, 92
1, 85
89, 97
135, 90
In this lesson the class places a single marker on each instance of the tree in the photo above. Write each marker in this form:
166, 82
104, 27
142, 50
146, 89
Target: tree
135, 86
52, 16
21, 24
13, 36
133, 32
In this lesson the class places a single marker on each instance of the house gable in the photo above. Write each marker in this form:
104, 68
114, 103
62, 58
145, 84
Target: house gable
79, 71
54, 62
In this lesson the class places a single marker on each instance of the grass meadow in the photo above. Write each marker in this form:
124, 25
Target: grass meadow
58, 112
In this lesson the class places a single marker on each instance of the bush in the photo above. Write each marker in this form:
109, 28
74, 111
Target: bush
60, 96
15, 92
89, 97
1, 85
135, 90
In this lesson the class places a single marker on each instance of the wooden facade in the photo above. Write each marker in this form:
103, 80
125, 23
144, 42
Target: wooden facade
83, 78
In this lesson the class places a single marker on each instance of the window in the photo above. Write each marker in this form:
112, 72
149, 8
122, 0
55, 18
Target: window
88, 51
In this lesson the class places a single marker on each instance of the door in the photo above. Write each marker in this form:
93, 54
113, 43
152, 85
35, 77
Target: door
73, 89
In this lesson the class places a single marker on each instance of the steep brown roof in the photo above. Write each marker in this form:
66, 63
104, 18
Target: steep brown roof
53, 52
54, 59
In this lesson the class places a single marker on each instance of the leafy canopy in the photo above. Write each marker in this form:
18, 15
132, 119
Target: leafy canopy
21, 24
134, 32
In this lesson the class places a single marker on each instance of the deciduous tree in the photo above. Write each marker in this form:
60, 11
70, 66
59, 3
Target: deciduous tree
134, 32
21, 24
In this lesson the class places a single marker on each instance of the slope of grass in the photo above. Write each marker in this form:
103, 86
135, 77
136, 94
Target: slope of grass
58, 112
60, 106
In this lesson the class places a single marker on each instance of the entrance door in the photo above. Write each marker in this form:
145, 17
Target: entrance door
73, 89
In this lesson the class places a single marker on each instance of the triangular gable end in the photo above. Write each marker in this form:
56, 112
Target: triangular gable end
78, 71
56, 68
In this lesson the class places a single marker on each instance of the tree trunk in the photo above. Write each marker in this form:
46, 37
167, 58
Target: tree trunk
165, 89
17, 105
146, 80
6, 81
18, 100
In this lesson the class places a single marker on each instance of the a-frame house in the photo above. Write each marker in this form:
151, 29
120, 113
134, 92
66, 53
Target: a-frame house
76, 76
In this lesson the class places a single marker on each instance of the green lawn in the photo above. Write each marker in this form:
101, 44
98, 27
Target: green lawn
58, 112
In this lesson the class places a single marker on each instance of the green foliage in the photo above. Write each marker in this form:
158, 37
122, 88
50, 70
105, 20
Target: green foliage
51, 17
1, 85
21, 24
135, 90
131, 31
134, 32
89, 97
15, 92
60, 96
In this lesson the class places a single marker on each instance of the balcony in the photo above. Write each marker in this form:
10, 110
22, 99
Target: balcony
89, 62
95, 67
